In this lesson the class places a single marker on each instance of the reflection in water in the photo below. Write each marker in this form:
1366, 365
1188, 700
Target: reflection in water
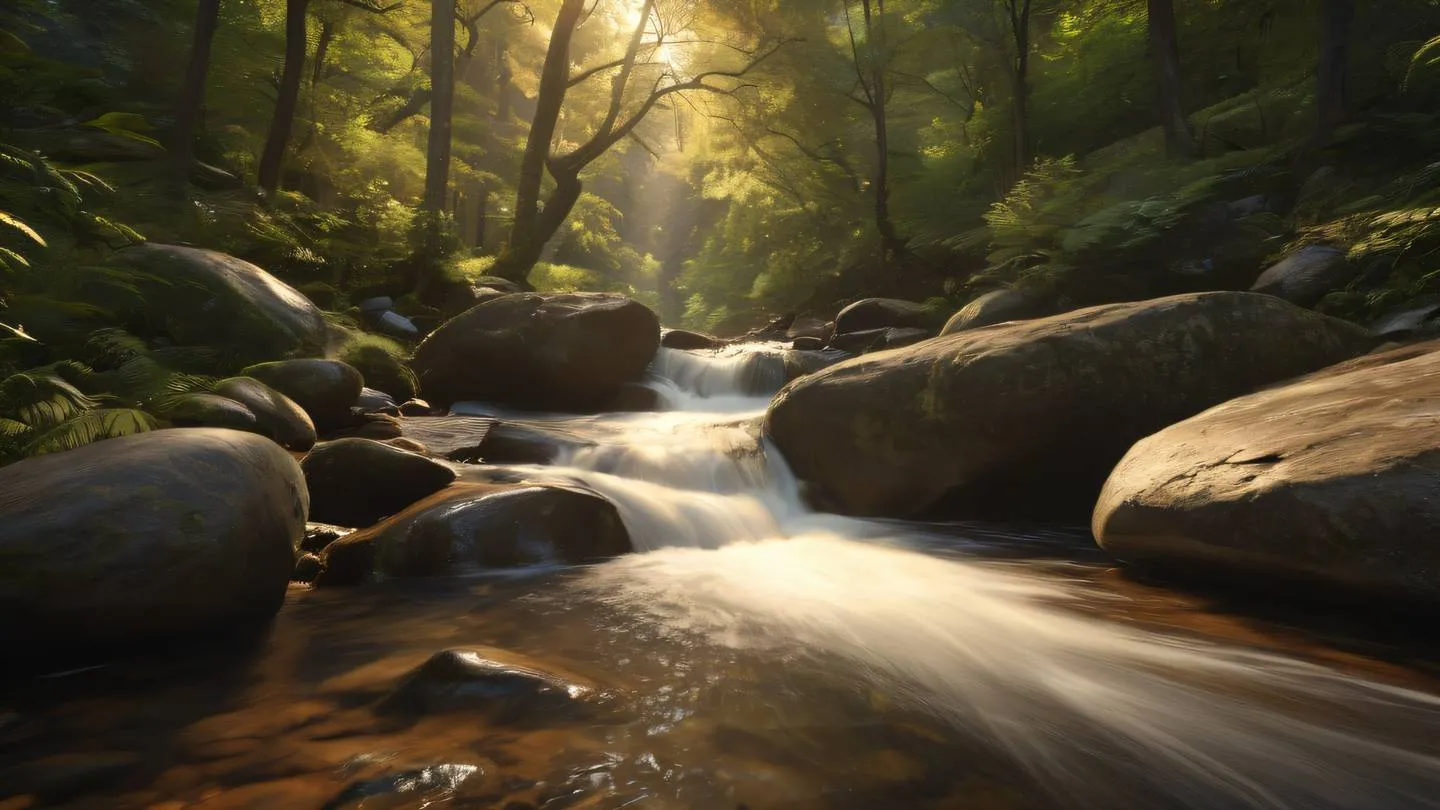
755, 655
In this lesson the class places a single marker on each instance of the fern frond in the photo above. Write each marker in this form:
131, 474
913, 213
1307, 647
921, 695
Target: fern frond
90, 427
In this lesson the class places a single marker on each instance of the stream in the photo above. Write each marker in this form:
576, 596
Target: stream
756, 654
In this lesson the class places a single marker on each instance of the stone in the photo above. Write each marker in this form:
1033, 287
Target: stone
275, 414
809, 344
357, 482
148, 536
1331, 479
320, 535
568, 352
307, 568
375, 401
471, 526
996, 306
324, 388
1027, 417
212, 411
1305, 277
418, 407
210, 298
464, 680
689, 341
884, 313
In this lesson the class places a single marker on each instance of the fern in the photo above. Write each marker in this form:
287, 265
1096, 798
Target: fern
90, 427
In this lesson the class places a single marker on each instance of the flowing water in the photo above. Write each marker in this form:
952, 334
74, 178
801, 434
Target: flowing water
755, 654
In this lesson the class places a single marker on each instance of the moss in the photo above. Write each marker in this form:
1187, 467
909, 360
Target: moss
382, 362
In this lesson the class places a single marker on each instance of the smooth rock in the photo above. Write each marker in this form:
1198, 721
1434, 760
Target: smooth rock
690, 341
276, 415
397, 325
374, 401
357, 482
1030, 416
211, 411
808, 344
307, 568
324, 388
548, 352
320, 535
214, 299
418, 407
885, 313
377, 305
1417, 316
149, 535
1333, 478
1306, 276
466, 680
996, 306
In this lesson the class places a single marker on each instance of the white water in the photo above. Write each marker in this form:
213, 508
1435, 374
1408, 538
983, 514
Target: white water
1100, 714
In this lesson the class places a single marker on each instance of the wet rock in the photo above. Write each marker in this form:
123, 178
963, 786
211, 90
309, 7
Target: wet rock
382, 371
799, 363
485, 526
146, 536
1413, 318
1306, 276
549, 352
379, 427
213, 299
497, 283
357, 482
996, 306
276, 415
65, 776
418, 407
405, 443
211, 411
376, 305
307, 568
320, 535
1332, 478
687, 340
465, 680
324, 388
397, 325
808, 344
874, 340
1032, 415
634, 397
885, 313
809, 326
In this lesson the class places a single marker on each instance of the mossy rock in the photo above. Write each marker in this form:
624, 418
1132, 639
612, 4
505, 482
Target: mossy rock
382, 370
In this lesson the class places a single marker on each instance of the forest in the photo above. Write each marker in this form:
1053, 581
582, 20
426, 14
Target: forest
719, 404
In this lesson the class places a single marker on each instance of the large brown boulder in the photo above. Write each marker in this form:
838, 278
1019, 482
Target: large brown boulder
1305, 276
996, 306
276, 415
357, 482
211, 298
1028, 417
1334, 477
887, 313
561, 352
325, 389
145, 536
484, 526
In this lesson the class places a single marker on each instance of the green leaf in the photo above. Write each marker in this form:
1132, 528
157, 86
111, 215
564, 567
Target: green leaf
90, 427
19, 225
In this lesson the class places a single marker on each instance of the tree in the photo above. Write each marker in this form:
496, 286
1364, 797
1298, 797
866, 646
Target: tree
1165, 51
873, 92
442, 104
1017, 13
1330, 96
534, 223
192, 91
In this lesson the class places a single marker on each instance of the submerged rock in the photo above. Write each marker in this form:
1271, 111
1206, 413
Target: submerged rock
210, 298
145, 536
276, 415
324, 388
1334, 477
549, 352
481, 525
996, 306
357, 482
1029, 416
465, 680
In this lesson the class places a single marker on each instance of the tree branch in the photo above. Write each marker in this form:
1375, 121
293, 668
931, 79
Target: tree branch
373, 6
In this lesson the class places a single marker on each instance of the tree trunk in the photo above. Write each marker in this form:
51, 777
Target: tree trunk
192, 93
322, 48
890, 242
277, 141
442, 104
1330, 97
520, 257
527, 236
1019, 12
1165, 50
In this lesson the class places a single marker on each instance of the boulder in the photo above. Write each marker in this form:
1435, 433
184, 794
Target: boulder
636, 398
484, 526
1413, 318
808, 344
477, 439
689, 341
418, 407
874, 340
381, 370
568, 352
147, 536
469, 681
809, 326
1306, 276
357, 482
211, 298
1333, 478
503, 285
320, 535
799, 362
307, 568
996, 306
1030, 416
212, 411
324, 388
373, 401
275, 414
884, 313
